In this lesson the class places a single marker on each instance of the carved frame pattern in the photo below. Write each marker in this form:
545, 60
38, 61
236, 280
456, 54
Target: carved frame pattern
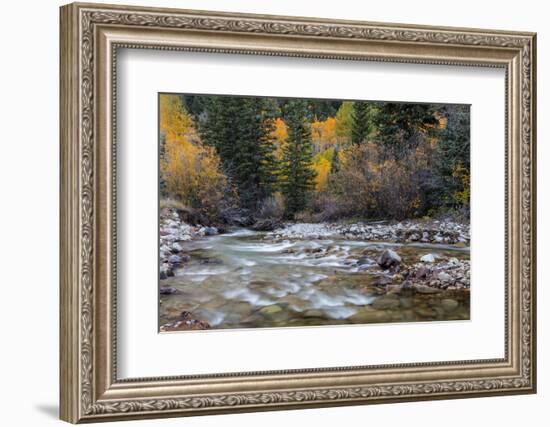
80, 400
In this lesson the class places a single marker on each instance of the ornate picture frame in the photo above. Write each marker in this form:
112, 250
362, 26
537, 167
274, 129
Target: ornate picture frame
90, 37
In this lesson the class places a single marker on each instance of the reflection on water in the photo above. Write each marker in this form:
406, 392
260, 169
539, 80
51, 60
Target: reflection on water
241, 280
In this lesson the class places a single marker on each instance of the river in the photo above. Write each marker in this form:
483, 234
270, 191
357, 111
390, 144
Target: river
240, 279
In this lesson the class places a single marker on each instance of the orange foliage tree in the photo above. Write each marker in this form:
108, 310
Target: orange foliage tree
190, 171
323, 134
279, 136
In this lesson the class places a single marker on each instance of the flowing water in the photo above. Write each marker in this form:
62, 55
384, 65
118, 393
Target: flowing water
243, 280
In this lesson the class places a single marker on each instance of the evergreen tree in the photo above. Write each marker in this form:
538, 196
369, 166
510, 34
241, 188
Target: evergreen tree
402, 127
360, 122
240, 130
298, 176
162, 155
344, 121
452, 158
335, 165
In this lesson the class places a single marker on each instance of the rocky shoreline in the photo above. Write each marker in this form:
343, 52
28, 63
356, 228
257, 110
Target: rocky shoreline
426, 283
421, 231
173, 234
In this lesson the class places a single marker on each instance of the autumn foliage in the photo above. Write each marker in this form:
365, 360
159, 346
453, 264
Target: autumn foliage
324, 160
190, 171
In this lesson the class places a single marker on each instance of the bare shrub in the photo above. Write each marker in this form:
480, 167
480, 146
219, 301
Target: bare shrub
329, 207
375, 186
272, 207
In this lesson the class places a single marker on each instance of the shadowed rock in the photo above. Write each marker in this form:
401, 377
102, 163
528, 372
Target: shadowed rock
388, 259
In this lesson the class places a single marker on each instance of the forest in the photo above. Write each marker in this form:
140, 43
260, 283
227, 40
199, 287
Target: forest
306, 212
257, 161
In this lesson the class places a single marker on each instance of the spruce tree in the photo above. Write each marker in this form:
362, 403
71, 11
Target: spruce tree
360, 122
402, 127
240, 130
298, 176
335, 164
162, 154
452, 159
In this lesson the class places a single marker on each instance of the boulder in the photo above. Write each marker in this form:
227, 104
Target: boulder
176, 247
444, 277
425, 312
422, 272
388, 259
165, 271
236, 216
386, 302
383, 281
370, 316
210, 231
175, 259
424, 289
167, 290
268, 224
449, 304
273, 312
428, 258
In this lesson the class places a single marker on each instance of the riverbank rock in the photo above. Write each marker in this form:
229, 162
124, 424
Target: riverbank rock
186, 322
174, 232
268, 224
209, 231
166, 271
388, 259
236, 217
443, 274
424, 231
428, 258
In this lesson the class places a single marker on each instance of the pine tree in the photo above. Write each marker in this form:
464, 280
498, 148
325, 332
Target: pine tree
241, 131
402, 127
335, 165
162, 157
298, 176
360, 123
452, 159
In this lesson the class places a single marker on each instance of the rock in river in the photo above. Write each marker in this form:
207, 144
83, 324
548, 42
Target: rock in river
424, 289
388, 259
175, 259
449, 304
176, 247
389, 301
166, 271
273, 312
210, 231
167, 290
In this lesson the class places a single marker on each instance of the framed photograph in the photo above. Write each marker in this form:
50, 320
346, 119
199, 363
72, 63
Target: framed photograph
266, 212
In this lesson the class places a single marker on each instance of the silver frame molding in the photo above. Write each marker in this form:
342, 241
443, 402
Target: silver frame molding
90, 37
